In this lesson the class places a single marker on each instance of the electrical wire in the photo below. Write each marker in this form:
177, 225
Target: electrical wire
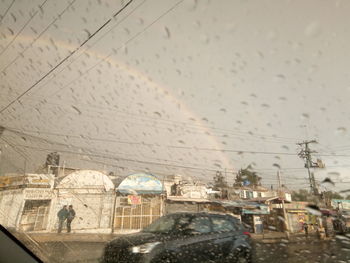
247, 134
92, 45
6, 11
41, 33
199, 148
125, 43
63, 60
23, 27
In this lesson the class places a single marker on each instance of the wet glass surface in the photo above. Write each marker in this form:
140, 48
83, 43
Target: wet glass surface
131, 110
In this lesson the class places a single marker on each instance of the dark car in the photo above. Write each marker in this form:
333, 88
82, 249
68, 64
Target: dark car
184, 237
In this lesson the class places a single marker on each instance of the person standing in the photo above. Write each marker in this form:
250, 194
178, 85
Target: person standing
62, 216
71, 215
306, 229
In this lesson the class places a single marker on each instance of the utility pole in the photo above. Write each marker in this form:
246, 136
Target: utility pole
1, 132
305, 154
282, 195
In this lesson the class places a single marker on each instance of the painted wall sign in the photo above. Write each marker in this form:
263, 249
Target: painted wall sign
39, 179
134, 199
38, 194
141, 184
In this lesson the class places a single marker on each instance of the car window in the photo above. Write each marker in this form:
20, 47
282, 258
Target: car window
221, 224
162, 225
200, 225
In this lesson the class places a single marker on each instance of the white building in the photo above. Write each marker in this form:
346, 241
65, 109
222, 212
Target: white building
92, 195
26, 201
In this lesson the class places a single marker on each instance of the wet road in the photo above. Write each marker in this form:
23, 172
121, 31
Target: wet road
301, 250
305, 251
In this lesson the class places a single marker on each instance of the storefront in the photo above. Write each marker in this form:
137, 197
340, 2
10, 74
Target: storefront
25, 201
139, 201
296, 219
35, 213
253, 215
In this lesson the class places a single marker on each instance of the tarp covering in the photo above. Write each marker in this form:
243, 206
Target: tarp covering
247, 207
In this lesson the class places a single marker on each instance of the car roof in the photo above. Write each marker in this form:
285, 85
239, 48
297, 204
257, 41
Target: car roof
200, 213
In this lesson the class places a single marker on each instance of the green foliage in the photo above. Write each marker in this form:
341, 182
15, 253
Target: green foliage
332, 195
301, 195
247, 175
219, 181
304, 195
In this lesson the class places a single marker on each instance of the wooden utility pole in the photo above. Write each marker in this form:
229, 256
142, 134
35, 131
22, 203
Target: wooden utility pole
281, 195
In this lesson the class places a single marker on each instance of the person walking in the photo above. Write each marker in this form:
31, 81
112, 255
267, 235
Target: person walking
62, 216
71, 215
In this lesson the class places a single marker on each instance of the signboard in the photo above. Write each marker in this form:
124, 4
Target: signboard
37, 194
141, 184
341, 204
43, 180
134, 200
39, 179
7, 181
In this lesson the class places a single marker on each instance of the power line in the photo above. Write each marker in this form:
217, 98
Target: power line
94, 150
246, 135
114, 158
90, 150
128, 41
63, 60
270, 138
17, 151
24, 26
93, 44
184, 147
5, 13
41, 33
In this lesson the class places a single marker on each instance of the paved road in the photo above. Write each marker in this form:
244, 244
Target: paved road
304, 251
298, 250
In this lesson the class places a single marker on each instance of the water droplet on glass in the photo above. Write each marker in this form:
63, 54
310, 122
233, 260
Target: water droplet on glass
341, 131
279, 78
166, 32
285, 147
305, 116
313, 29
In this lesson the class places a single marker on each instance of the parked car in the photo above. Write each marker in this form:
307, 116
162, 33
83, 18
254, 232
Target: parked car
184, 237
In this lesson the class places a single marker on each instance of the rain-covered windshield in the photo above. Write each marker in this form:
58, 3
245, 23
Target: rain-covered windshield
117, 113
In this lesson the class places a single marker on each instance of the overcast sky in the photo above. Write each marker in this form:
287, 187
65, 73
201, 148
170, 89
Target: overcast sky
166, 85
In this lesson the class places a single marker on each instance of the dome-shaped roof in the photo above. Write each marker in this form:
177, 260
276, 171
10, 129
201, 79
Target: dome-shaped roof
141, 183
86, 179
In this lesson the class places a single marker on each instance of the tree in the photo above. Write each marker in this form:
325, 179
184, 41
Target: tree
332, 195
247, 177
304, 195
301, 195
219, 180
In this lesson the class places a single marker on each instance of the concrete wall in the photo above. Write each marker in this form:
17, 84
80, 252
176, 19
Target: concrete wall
93, 209
11, 206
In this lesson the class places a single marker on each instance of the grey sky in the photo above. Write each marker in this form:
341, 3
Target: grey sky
170, 83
